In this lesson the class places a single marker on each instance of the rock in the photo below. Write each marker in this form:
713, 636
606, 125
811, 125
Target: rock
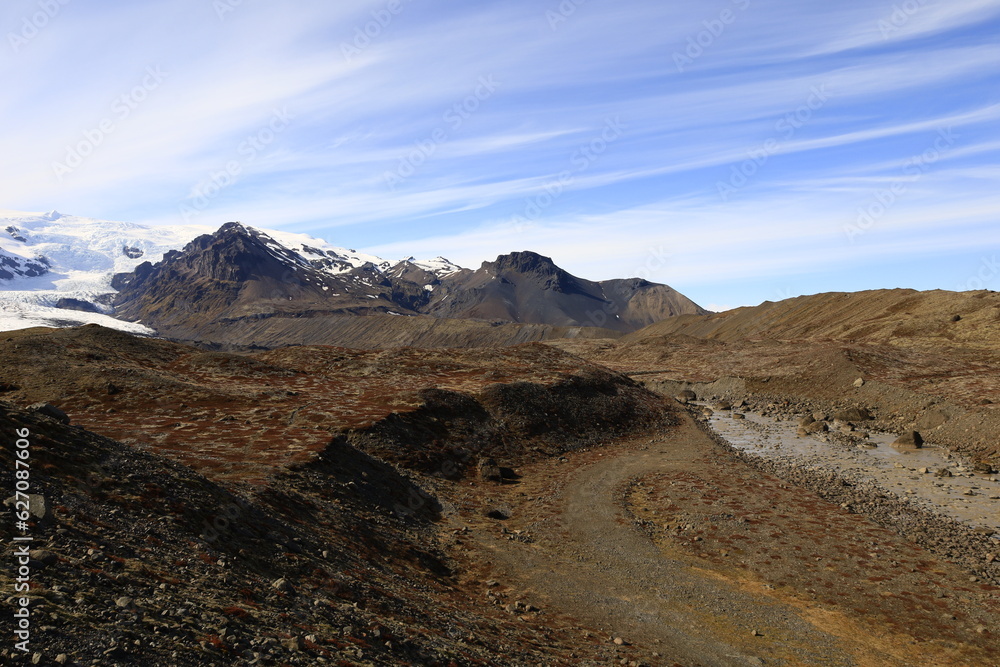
44, 557
817, 427
737, 415
860, 382
489, 470
294, 644
38, 506
984, 468
930, 419
62, 659
819, 416
723, 405
707, 411
909, 440
853, 415
49, 410
123, 602
805, 421
283, 585
688, 395
618, 641
943, 472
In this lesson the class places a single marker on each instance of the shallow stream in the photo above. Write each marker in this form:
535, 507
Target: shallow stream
972, 498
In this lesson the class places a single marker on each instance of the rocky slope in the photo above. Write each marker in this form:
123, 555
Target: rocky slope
284, 507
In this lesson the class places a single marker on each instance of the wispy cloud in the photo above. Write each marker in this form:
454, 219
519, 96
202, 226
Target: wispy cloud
359, 106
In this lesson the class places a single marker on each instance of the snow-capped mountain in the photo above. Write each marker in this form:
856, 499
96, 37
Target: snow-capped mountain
56, 270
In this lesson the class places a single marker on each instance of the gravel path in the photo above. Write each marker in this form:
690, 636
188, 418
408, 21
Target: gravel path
587, 558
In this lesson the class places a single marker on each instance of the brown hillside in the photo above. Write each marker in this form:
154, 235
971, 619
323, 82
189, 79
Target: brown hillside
902, 318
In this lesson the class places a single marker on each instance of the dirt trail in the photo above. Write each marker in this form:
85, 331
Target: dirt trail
572, 548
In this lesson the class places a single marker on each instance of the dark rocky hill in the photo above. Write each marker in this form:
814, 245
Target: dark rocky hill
240, 286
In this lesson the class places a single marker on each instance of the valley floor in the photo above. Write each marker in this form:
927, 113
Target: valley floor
690, 556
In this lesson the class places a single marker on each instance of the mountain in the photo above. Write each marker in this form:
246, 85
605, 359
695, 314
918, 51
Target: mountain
241, 285
527, 287
247, 286
56, 269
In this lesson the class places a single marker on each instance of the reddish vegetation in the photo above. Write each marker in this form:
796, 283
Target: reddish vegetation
240, 417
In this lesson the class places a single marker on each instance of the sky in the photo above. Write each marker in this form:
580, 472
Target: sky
737, 150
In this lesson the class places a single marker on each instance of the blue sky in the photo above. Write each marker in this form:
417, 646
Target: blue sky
738, 150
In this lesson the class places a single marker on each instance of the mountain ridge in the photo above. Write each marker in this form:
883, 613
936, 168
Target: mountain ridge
239, 275
75, 271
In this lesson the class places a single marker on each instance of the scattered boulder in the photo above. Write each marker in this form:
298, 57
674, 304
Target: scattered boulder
943, 472
283, 585
489, 470
819, 416
38, 506
805, 421
909, 440
723, 405
42, 556
860, 382
51, 411
816, 427
686, 396
853, 415
930, 419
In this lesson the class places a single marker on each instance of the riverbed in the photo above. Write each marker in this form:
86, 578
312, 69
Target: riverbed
912, 474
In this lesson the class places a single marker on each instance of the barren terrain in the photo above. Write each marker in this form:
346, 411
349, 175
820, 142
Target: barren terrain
501, 506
